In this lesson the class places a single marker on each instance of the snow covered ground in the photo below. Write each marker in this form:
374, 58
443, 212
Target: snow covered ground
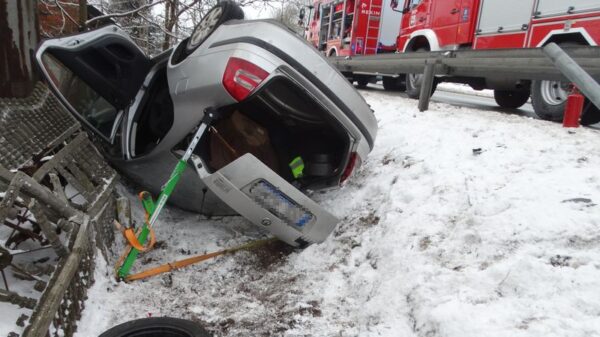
460, 223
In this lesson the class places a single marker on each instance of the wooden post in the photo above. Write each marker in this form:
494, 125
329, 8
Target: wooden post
19, 35
83, 15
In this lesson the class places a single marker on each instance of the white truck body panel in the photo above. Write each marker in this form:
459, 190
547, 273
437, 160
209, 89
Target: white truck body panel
562, 7
510, 15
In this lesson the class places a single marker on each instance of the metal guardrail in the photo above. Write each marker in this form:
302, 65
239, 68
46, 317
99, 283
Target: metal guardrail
520, 64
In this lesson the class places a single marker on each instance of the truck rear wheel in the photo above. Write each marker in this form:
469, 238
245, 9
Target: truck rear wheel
549, 99
394, 83
511, 99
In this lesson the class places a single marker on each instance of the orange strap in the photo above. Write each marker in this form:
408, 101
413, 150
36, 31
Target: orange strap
131, 237
133, 241
167, 267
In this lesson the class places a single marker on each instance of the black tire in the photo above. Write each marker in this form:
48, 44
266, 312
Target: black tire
555, 112
157, 327
413, 86
544, 108
362, 81
511, 99
413, 81
554, 109
216, 16
394, 83
590, 114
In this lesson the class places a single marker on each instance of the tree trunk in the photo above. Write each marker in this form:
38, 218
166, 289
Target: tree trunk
19, 35
83, 14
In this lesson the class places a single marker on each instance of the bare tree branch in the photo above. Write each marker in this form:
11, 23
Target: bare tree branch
122, 14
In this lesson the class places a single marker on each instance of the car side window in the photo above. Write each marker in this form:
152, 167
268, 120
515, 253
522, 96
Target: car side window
92, 107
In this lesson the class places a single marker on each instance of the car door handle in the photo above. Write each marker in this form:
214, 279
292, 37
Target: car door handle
422, 19
454, 11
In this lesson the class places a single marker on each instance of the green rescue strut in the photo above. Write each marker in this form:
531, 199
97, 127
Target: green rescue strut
153, 209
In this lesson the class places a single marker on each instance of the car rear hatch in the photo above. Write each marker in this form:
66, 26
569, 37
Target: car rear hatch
264, 198
270, 147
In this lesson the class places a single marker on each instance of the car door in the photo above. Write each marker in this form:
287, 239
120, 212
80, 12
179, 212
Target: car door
96, 75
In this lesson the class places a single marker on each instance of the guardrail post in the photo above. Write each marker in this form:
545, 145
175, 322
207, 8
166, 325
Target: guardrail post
575, 73
427, 85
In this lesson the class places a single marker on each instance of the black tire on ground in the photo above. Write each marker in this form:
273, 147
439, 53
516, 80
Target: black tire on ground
544, 108
549, 99
553, 110
413, 81
362, 81
216, 16
157, 327
511, 99
394, 83
413, 85
590, 114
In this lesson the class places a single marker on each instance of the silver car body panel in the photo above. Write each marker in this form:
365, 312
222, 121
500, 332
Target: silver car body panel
195, 84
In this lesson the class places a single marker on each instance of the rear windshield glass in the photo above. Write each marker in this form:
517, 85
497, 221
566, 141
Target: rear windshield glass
94, 109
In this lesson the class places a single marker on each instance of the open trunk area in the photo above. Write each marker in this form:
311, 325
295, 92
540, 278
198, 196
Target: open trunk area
287, 130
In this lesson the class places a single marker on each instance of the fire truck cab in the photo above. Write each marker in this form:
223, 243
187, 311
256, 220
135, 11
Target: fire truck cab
432, 25
353, 27
356, 27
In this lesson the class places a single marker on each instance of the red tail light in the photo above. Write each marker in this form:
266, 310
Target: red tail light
353, 162
242, 77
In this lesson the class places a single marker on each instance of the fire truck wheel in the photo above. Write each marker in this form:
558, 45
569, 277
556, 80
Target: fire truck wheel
394, 83
219, 14
590, 114
362, 81
157, 326
511, 99
413, 85
549, 99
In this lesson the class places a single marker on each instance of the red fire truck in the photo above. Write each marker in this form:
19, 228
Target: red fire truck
432, 25
353, 27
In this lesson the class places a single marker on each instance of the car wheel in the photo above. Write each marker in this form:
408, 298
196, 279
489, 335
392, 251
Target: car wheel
511, 99
220, 13
394, 83
157, 326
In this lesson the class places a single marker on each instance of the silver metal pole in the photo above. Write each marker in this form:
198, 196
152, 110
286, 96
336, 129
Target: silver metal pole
427, 85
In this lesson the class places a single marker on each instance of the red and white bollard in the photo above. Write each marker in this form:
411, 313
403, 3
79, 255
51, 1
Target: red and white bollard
573, 109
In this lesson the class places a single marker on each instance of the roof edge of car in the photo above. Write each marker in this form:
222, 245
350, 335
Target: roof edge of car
305, 72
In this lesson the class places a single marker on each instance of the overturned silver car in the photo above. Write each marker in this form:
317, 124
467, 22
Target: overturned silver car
291, 122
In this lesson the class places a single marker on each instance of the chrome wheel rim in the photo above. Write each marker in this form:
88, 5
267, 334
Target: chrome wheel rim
554, 92
205, 27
